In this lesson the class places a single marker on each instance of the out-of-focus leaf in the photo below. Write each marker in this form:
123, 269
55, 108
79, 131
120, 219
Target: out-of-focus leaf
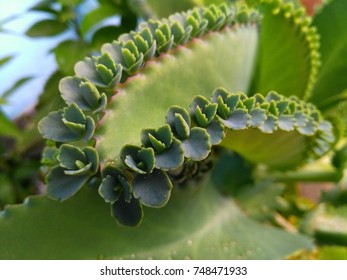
70, 2
7, 195
7, 128
97, 15
165, 8
5, 60
198, 223
47, 27
332, 253
16, 86
44, 6
232, 165
327, 224
106, 34
68, 53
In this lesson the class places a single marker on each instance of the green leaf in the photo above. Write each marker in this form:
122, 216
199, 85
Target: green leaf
212, 227
161, 137
69, 155
114, 185
152, 190
286, 123
269, 125
47, 27
216, 132
52, 127
340, 158
160, 85
253, 144
96, 16
45, 6
231, 165
162, 9
68, 53
16, 86
332, 253
70, 2
68, 125
197, 146
171, 158
330, 82
127, 213
238, 119
283, 63
5, 60
107, 190
258, 117
61, 186
8, 128
83, 93
140, 160
327, 224
106, 34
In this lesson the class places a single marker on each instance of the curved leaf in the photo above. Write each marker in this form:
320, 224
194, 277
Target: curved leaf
67, 53
329, 21
288, 56
96, 16
158, 84
210, 228
152, 189
171, 158
61, 186
47, 27
127, 213
197, 146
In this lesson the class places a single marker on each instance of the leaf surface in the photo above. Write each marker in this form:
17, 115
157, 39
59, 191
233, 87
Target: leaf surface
174, 79
47, 27
210, 228
283, 59
331, 23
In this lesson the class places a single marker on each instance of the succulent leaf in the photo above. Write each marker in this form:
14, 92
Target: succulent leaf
127, 213
114, 185
83, 93
140, 160
171, 158
299, 48
185, 142
101, 70
152, 189
197, 146
61, 186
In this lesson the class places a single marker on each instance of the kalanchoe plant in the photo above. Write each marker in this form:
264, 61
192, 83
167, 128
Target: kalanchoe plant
75, 168
210, 99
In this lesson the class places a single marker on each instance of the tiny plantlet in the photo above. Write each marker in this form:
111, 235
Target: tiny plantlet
186, 137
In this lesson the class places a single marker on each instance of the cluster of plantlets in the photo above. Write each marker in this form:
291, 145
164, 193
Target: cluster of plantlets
141, 179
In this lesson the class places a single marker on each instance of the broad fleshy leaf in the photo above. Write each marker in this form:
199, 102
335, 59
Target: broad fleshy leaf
127, 213
152, 189
288, 57
331, 20
210, 228
61, 186
197, 146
